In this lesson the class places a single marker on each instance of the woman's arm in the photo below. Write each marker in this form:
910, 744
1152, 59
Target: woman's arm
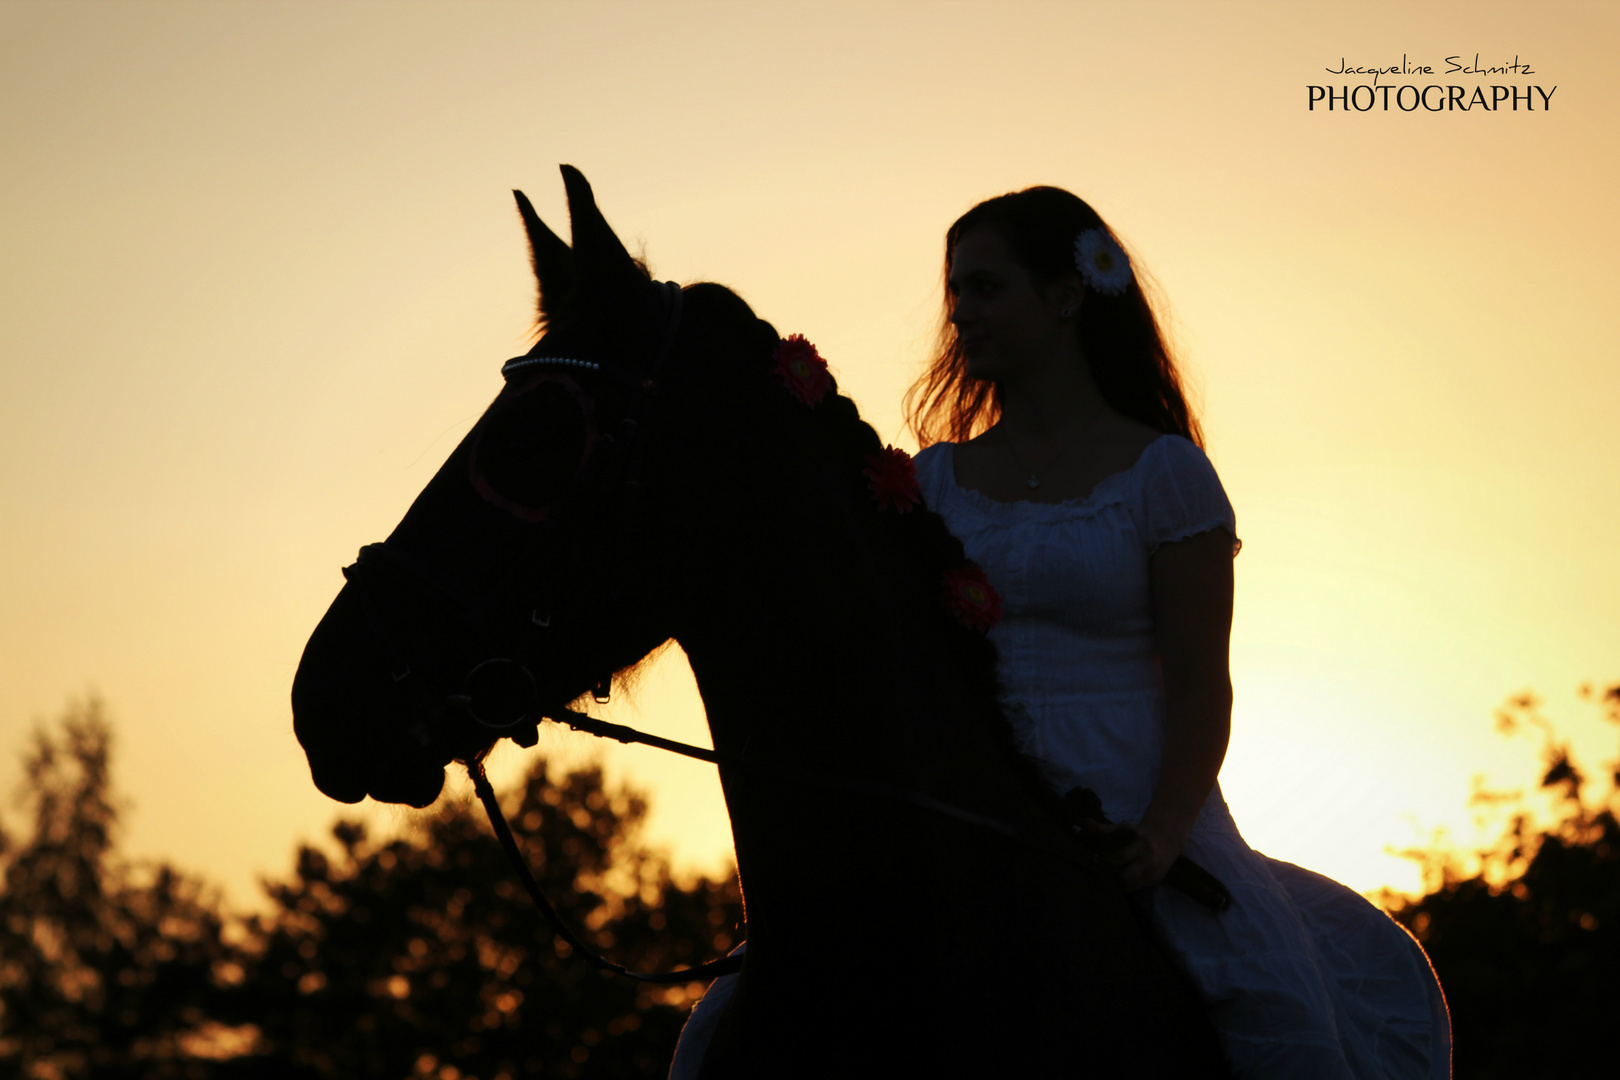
1192, 612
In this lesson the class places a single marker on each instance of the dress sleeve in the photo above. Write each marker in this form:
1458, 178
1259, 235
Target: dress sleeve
932, 464
1181, 496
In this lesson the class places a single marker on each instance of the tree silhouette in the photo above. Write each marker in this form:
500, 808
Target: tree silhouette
411, 957
1528, 946
106, 969
421, 956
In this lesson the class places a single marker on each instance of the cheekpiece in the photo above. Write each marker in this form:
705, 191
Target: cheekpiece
1103, 264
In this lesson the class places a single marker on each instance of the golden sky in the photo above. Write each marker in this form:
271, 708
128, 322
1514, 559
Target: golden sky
259, 267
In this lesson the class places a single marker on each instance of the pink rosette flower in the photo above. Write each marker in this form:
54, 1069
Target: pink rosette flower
892, 477
970, 598
802, 370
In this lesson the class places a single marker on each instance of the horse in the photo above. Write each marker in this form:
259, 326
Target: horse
664, 465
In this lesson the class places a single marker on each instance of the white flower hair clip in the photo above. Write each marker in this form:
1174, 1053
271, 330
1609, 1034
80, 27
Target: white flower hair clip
1103, 264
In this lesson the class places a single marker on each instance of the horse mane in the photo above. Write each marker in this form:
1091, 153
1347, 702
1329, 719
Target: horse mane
920, 537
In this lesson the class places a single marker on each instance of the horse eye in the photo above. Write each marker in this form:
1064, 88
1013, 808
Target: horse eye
530, 449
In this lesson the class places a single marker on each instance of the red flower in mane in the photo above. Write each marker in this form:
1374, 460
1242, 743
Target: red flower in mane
802, 370
970, 598
892, 476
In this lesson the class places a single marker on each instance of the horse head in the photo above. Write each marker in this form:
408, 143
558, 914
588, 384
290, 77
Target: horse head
522, 575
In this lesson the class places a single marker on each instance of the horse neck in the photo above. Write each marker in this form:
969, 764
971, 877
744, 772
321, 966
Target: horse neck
817, 648
835, 697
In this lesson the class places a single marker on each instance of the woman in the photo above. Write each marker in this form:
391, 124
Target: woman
1060, 448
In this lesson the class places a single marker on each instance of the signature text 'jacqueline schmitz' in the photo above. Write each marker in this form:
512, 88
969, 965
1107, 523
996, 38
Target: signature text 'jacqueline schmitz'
1410, 97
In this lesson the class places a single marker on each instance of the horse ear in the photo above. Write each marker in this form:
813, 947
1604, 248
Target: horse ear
554, 269
602, 258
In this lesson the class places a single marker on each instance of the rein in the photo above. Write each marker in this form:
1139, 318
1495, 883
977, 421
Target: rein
728, 965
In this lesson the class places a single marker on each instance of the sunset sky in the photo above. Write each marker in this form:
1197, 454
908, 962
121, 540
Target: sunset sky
259, 266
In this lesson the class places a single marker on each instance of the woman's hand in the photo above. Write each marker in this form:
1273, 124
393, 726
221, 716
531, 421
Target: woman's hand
1141, 853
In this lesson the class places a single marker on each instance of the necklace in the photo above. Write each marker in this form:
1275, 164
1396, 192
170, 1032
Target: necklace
1034, 480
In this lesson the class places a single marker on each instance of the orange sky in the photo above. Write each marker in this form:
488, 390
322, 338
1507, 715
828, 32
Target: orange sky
259, 267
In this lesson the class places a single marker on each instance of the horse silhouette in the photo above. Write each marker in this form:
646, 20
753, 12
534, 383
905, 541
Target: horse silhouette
652, 469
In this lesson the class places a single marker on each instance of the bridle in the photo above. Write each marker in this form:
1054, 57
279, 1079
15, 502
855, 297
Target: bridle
498, 693
383, 566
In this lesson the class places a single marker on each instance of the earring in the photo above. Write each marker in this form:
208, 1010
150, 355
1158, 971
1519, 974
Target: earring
1068, 311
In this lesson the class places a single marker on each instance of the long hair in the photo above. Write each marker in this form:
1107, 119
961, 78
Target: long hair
1119, 335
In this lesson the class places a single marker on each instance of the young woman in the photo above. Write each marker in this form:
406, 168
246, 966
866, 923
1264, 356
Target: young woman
1060, 448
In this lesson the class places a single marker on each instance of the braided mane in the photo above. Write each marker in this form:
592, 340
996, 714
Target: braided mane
920, 536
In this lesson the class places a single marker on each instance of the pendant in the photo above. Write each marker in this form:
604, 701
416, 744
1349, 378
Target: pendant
1033, 482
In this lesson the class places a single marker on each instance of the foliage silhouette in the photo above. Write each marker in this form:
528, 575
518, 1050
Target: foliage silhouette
1528, 945
416, 956
422, 957
419, 956
106, 969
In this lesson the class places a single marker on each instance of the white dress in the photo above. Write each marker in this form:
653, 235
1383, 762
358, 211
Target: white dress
1302, 977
